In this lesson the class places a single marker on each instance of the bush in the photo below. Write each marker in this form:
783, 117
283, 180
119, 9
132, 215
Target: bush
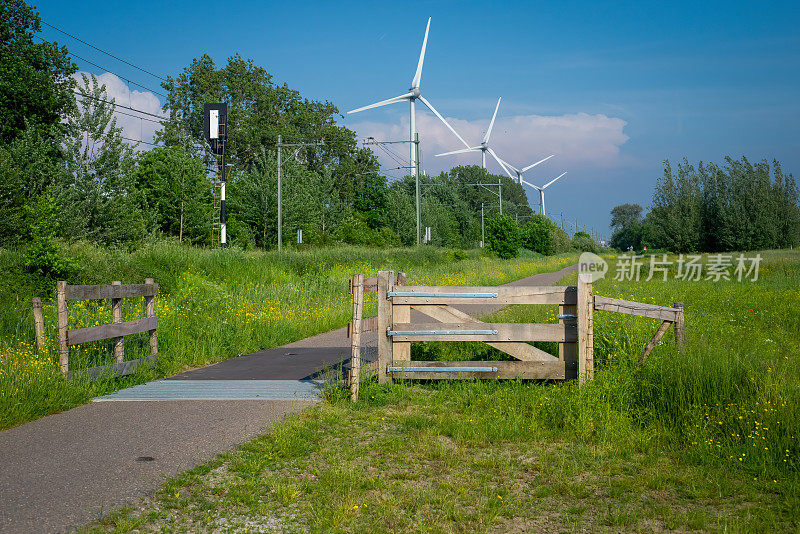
560, 241
503, 237
583, 242
43, 258
537, 235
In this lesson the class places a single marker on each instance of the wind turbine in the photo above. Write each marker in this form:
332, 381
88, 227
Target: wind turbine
412, 96
541, 190
484, 146
520, 172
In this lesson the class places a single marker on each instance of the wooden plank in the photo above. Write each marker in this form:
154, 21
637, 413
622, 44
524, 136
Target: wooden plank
640, 309
384, 320
110, 291
38, 324
505, 332
116, 317
368, 324
63, 326
521, 351
370, 285
117, 368
401, 350
568, 352
505, 295
355, 352
150, 312
585, 328
108, 331
552, 370
654, 341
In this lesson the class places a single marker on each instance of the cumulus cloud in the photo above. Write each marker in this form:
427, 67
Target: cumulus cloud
132, 127
578, 140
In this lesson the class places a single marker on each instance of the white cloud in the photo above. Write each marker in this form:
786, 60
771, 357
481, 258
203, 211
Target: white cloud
132, 127
578, 140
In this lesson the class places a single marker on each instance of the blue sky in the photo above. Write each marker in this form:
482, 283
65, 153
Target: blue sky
613, 88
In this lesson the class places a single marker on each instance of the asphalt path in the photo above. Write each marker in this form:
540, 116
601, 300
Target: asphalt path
65, 470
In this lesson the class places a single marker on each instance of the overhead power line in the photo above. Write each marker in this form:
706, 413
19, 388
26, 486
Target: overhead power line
120, 76
167, 119
105, 52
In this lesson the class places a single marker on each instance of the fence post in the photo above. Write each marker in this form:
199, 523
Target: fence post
585, 328
63, 326
401, 351
116, 316
680, 327
384, 322
38, 323
355, 358
150, 311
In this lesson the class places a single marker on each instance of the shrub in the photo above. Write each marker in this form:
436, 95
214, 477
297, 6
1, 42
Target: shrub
537, 235
583, 242
503, 237
560, 240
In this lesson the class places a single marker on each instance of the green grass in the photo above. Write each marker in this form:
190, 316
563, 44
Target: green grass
706, 440
213, 305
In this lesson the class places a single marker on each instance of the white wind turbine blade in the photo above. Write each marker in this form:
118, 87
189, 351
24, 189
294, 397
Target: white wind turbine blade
491, 124
538, 162
462, 151
510, 166
530, 184
430, 107
553, 180
418, 76
384, 102
490, 151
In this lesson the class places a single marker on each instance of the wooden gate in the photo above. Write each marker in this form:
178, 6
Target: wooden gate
396, 331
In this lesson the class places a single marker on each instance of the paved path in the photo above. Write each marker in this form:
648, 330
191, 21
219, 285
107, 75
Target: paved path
64, 470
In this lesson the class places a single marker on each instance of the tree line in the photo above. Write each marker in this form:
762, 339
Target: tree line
739, 205
63, 152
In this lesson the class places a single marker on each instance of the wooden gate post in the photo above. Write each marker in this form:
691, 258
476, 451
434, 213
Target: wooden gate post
38, 323
150, 310
384, 322
63, 326
401, 350
355, 357
680, 327
116, 318
585, 328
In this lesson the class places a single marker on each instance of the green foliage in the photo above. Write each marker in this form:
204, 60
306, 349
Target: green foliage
739, 206
35, 82
537, 235
560, 240
503, 236
626, 223
583, 242
174, 193
43, 258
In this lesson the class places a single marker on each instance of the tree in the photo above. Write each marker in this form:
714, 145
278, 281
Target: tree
537, 235
626, 223
35, 77
97, 195
503, 236
174, 193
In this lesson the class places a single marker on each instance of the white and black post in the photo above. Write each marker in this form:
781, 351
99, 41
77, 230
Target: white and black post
216, 121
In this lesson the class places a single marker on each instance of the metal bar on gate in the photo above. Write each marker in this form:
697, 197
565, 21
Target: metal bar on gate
390, 332
441, 295
398, 369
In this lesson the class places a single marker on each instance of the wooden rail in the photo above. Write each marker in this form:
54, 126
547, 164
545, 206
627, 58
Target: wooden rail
117, 330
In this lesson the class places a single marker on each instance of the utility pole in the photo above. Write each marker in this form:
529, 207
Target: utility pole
280, 145
215, 121
562, 221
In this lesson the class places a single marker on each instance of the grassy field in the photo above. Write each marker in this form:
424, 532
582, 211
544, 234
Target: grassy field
705, 441
212, 305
